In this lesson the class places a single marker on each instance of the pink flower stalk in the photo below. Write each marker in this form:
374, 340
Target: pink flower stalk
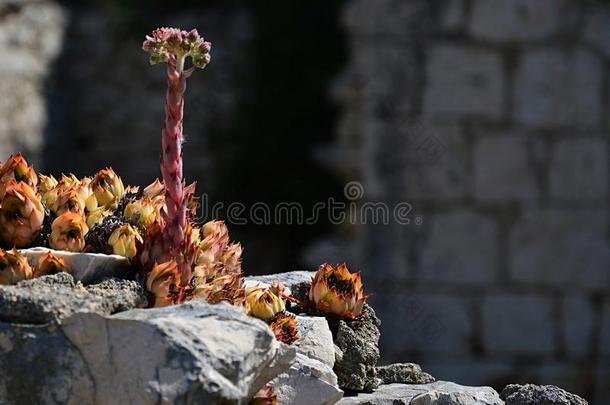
173, 46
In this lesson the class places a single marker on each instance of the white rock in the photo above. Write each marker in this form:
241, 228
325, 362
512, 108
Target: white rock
443, 392
85, 267
315, 340
193, 353
288, 279
437, 393
308, 382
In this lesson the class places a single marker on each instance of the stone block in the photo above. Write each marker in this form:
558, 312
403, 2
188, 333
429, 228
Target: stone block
516, 394
502, 170
453, 16
461, 248
308, 381
464, 81
515, 20
387, 18
597, 29
558, 87
561, 248
517, 324
315, 340
432, 324
579, 170
437, 161
578, 326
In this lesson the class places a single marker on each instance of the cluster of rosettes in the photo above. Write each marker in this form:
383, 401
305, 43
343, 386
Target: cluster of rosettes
215, 264
39, 210
167, 44
100, 215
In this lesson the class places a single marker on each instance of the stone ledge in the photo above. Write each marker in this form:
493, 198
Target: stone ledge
437, 393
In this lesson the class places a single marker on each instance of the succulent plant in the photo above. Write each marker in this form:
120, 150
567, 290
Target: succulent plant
173, 46
97, 216
14, 267
334, 290
263, 302
68, 201
154, 190
284, 327
68, 232
231, 259
228, 288
124, 241
163, 282
108, 188
143, 212
50, 264
51, 188
17, 169
21, 215
47, 188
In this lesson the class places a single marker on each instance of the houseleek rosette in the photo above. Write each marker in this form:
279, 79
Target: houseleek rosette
21, 215
14, 267
334, 290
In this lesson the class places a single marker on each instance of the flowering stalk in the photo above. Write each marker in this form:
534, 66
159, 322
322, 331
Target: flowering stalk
173, 46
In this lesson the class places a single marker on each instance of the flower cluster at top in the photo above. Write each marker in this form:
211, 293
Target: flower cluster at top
173, 44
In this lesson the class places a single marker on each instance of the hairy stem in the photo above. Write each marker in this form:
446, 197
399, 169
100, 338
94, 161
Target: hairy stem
171, 161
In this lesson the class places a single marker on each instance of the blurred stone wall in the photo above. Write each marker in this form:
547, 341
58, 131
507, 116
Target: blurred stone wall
490, 118
31, 34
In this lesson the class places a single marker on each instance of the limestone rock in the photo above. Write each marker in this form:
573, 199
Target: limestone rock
121, 295
85, 267
437, 393
55, 297
193, 353
297, 283
515, 394
358, 343
315, 339
450, 393
288, 278
308, 382
404, 373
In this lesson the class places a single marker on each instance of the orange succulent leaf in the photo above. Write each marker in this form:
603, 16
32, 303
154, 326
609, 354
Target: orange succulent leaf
108, 188
14, 267
284, 327
163, 282
50, 264
17, 169
21, 215
68, 232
